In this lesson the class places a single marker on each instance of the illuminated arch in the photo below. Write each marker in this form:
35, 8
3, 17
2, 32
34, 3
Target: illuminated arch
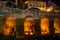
28, 25
57, 25
44, 26
9, 25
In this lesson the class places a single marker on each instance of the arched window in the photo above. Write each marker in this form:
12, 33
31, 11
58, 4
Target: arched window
44, 26
28, 26
10, 25
57, 25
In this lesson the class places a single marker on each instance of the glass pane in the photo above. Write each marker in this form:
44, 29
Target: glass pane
28, 26
10, 25
44, 26
57, 25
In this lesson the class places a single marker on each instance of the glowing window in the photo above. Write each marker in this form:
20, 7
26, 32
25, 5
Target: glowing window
9, 25
57, 25
28, 26
44, 26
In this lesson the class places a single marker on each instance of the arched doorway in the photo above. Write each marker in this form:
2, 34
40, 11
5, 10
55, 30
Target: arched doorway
28, 25
57, 25
44, 26
9, 25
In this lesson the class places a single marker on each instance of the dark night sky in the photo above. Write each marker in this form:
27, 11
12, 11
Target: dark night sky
54, 1
57, 2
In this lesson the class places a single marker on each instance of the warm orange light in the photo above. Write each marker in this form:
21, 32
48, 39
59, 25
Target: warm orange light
57, 25
42, 9
31, 33
28, 27
6, 31
26, 33
49, 9
44, 26
9, 24
26, 2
